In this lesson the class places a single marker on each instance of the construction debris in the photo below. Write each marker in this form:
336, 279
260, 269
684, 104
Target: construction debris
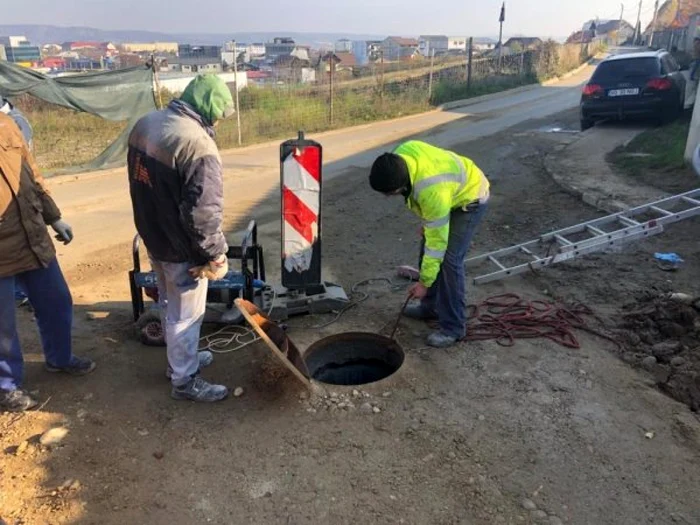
661, 334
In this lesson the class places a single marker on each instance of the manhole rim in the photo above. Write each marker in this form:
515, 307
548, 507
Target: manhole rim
391, 345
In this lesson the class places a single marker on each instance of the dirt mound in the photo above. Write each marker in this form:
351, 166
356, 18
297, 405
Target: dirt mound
662, 334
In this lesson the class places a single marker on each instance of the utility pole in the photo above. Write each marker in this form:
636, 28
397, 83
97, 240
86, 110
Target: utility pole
638, 26
619, 24
470, 58
501, 19
235, 86
653, 23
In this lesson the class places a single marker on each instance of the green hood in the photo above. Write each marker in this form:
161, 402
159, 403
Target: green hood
210, 97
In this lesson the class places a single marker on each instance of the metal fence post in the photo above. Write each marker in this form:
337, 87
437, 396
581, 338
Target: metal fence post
522, 63
332, 67
235, 85
470, 61
430, 78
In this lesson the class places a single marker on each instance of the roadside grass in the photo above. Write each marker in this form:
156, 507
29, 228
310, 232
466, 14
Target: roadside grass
655, 158
63, 137
657, 149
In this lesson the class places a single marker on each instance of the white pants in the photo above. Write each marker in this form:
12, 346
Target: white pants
182, 302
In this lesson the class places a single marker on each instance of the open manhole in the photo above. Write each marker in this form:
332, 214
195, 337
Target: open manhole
353, 358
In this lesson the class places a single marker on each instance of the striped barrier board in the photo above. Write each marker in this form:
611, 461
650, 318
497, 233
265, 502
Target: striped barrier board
301, 180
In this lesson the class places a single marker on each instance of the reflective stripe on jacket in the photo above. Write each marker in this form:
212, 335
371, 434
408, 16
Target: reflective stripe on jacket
441, 181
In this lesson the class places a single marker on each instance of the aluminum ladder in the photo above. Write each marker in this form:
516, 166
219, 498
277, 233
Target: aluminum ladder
588, 237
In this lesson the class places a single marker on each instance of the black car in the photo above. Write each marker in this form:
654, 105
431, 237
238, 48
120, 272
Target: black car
645, 85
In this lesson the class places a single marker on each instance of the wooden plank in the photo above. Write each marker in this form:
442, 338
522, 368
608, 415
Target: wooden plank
291, 359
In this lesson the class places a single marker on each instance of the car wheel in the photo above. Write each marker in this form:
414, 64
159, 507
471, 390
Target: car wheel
586, 124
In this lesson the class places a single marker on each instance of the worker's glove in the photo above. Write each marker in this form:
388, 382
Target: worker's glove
64, 232
213, 270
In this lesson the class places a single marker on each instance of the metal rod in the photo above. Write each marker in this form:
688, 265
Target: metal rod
430, 79
398, 319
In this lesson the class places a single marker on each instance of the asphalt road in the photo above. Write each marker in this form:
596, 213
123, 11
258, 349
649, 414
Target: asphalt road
97, 205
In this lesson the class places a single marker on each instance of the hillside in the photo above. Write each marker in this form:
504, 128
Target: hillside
45, 34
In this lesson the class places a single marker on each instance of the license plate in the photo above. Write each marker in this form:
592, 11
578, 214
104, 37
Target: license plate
623, 92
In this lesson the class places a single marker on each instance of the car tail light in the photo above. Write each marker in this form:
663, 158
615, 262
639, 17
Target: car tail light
659, 84
592, 90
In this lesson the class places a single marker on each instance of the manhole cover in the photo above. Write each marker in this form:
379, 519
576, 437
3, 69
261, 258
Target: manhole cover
353, 358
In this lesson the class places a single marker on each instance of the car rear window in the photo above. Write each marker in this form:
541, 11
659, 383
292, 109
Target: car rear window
627, 68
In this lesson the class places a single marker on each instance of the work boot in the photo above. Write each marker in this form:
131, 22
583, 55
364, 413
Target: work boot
199, 390
16, 401
205, 359
440, 340
78, 366
419, 312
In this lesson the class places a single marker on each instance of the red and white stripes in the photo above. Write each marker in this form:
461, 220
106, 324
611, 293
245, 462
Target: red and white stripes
301, 204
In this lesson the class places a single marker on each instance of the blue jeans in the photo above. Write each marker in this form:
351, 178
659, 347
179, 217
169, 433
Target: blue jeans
447, 297
53, 307
183, 302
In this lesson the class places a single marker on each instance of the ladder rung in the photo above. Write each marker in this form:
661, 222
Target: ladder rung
529, 252
495, 261
563, 240
662, 211
691, 201
595, 230
628, 221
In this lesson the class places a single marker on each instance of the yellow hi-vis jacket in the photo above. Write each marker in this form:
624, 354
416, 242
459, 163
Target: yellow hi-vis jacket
441, 181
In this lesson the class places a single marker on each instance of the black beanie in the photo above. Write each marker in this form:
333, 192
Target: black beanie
389, 173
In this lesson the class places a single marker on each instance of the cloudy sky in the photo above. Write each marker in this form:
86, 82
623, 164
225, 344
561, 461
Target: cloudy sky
405, 17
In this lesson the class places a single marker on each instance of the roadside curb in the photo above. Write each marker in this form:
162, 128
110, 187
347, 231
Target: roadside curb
618, 196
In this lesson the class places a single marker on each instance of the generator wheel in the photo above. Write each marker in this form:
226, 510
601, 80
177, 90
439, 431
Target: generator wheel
150, 329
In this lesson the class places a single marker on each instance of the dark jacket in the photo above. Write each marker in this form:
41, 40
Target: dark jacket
176, 184
25, 206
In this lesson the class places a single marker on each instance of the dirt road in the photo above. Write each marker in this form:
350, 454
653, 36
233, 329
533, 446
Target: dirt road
98, 206
480, 434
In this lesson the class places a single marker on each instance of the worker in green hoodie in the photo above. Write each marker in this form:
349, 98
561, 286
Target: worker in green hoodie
176, 185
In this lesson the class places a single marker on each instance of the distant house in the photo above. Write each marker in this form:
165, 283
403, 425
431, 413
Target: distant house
345, 65
195, 64
283, 46
105, 49
293, 70
343, 46
51, 49
523, 43
581, 37
607, 30
198, 51
484, 44
169, 48
457, 43
56, 63
433, 44
260, 77
397, 48
366, 51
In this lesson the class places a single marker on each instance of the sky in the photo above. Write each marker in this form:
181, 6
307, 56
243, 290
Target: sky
380, 17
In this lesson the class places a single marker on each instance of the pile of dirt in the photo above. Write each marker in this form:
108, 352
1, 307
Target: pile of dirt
661, 333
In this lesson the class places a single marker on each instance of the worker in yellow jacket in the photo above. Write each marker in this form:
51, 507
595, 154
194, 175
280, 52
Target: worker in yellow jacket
450, 194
